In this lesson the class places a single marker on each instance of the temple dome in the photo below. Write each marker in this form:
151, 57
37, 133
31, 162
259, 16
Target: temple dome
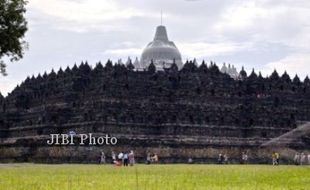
161, 51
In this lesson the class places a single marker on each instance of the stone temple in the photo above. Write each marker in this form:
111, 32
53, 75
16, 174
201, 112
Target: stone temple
162, 52
179, 112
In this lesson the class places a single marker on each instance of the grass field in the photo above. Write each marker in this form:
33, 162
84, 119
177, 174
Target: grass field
151, 177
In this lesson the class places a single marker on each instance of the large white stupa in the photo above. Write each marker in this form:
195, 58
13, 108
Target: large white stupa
161, 51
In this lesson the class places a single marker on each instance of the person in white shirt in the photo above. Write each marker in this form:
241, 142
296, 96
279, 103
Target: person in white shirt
102, 158
225, 159
113, 155
302, 158
121, 157
131, 158
296, 158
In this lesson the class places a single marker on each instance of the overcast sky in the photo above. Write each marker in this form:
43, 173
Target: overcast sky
264, 35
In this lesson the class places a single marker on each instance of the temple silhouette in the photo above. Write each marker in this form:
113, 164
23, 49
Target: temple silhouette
178, 111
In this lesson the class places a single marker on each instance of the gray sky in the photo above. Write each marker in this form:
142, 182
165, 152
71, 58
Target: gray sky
264, 34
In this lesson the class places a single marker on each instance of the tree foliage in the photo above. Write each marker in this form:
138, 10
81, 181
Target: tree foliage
13, 27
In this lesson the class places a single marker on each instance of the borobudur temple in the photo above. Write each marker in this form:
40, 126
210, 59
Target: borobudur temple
178, 111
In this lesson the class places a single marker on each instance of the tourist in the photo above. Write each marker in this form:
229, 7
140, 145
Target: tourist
125, 159
220, 159
244, 158
72, 132
302, 158
120, 157
273, 156
102, 158
277, 157
225, 159
148, 158
131, 158
296, 159
113, 156
190, 160
117, 163
155, 158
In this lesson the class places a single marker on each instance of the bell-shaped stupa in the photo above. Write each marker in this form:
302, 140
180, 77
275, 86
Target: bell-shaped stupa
161, 51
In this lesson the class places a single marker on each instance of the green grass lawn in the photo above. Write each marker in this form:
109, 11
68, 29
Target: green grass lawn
151, 177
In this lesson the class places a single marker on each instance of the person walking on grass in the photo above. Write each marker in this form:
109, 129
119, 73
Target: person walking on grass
244, 158
225, 159
121, 157
302, 158
148, 158
296, 159
154, 158
277, 156
125, 159
273, 156
113, 155
220, 159
131, 158
190, 160
102, 158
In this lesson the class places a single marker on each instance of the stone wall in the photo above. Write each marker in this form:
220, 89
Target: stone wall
195, 112
173, 143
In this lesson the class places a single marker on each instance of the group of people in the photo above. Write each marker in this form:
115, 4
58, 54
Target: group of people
128, 158
122, 159
151, 158
301, 158
222, 159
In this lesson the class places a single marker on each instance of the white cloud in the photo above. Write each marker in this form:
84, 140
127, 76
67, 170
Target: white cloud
264, 34
204, 49
240, 16
123, 53
284, 22
298, 63
84, 16
84, 11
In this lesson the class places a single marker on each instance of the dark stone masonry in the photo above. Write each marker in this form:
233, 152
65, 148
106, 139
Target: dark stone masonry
196, 112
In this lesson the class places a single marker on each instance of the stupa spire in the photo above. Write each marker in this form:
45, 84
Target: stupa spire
161, 17
161, 34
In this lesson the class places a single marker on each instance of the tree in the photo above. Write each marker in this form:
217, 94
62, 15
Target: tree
13, 27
